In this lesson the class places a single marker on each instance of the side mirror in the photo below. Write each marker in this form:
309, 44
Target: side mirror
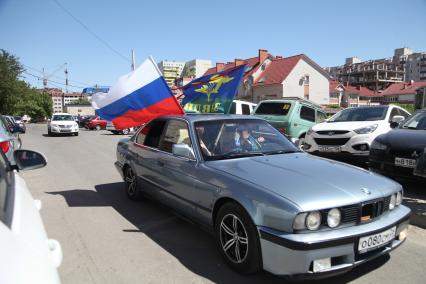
394, 124
397, 118
29, 160
183, 150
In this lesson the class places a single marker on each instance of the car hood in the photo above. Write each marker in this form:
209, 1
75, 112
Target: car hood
310, 182
347, 125
404, 139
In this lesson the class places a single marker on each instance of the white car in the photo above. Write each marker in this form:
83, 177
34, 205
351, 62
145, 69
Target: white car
27, 255
62, 123
242, 107
110, 127
351, 131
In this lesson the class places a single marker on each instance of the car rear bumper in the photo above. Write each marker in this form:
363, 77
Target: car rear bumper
292, 255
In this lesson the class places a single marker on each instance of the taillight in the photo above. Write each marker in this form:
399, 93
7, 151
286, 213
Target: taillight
5, 145
282, 130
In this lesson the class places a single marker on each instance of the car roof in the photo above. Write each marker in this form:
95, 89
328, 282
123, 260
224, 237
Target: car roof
208, 117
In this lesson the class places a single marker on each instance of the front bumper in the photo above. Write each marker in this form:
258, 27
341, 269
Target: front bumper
293, 254
347, 148
63, 130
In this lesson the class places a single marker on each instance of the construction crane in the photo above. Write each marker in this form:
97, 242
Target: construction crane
47, 77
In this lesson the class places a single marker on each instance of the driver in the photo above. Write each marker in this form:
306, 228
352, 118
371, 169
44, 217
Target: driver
247, 142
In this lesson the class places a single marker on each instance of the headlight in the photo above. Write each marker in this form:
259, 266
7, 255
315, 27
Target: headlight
313, 220
398, 200
333, 218
366, 130
378, 146
299, 222
392, 203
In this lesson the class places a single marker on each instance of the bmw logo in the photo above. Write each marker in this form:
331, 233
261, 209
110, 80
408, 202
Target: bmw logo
366, 191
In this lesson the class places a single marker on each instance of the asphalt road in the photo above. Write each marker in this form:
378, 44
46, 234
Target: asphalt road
108, 239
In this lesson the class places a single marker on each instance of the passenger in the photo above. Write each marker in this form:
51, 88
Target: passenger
200, 134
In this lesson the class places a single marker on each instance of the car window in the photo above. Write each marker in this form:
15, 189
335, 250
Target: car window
245, 108
307, 113
394, 112
416, 121
273, 108
360, 114
60, 117
321, 117
153, 136
233, 108
403, 113
176, 133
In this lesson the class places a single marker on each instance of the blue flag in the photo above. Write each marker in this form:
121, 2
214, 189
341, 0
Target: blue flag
213, 93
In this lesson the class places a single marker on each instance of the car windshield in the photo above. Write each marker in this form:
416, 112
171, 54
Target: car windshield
62, 117
236, 138
360, 114
17, 117
273, 108
416, 121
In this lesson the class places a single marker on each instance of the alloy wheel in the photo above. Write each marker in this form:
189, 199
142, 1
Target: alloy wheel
234, 238
130, 180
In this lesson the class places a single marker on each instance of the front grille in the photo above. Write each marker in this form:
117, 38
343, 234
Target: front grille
374, 209
405, 153
331, 141
332, 132
64, 126
350, 214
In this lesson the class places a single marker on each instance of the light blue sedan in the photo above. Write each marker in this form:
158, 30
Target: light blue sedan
269, 205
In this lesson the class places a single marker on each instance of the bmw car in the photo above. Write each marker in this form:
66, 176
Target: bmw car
269, 205
401, 152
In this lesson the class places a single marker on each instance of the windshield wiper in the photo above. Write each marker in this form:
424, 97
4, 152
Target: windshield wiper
242, 155
409, 127
276, 152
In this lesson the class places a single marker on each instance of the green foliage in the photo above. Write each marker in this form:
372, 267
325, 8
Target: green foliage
80, 101
411, 108
16, 96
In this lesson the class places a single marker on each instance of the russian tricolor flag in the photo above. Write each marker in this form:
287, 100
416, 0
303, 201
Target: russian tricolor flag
137, 98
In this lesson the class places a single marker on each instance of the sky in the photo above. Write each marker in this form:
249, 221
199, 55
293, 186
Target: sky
95, 37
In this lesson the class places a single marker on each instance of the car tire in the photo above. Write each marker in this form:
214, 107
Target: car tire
132, 187
301, 141
98, 127
238, 239
76, 134
125, 131
114, 132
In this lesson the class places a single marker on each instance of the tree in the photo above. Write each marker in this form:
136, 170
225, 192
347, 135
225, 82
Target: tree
80, 101
16, 96
10, 86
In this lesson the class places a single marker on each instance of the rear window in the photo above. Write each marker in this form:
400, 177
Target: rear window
273, 108
245, 109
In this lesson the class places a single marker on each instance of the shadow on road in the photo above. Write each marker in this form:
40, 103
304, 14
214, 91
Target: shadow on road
414, 197
192, 246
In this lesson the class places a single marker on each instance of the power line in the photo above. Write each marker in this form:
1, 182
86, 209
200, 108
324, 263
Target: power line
55, 76
90, 31
41, 78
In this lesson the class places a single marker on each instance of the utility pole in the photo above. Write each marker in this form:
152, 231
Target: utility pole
44, 79
66, 79
133, 60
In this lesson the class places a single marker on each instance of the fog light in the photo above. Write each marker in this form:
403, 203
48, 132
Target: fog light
403, 235
322, 264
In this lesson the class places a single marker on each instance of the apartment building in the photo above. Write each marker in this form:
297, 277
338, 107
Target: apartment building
171, 70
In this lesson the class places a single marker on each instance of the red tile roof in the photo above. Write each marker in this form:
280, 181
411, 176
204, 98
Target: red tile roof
277, 71
403, 88
360, 91
252, 65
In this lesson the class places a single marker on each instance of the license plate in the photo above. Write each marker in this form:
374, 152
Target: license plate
65, 130
329, 148
377, 240
406, 163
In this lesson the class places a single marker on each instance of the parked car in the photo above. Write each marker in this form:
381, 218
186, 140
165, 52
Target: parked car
84, 119
349, 132
20, 122
242, 107
291, 116
270, 205
62, 123
96, 123
28, 256
9, 138
14, 124
110, 127
402, 151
